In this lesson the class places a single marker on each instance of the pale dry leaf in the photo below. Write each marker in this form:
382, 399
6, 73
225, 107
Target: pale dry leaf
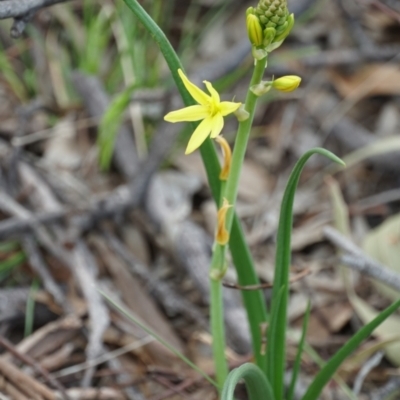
364, 311
383, 245
385, 331
61, 149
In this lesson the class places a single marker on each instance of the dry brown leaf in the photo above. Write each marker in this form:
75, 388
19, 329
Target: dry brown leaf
337, 315
370, 80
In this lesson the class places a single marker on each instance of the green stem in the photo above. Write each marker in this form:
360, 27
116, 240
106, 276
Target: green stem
218, 261
232, 184
218, 331
242, 138
253, 300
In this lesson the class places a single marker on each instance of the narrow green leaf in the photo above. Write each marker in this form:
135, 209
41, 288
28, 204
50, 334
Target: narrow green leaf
12, 262
273, 332
314, 356
297, 362
257, 385
30, 308
333, 364
109, 125
97, 38
276, 350
253, 300
8, 246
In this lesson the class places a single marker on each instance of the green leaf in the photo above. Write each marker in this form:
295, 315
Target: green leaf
253, 300
12, 262
257, 385
276, 336
30, 308
98, 36
333, 364
109, 125
297, 362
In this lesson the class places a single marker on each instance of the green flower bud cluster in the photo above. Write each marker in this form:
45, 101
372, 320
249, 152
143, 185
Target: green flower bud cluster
268, 25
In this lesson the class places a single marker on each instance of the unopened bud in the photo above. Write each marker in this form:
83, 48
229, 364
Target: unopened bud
254, 30
250, 10
285, 32
287, 83
269, 35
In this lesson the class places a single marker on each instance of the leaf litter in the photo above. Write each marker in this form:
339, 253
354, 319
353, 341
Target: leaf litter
143, 229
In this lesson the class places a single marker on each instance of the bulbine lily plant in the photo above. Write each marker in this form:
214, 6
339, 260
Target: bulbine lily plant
268, 24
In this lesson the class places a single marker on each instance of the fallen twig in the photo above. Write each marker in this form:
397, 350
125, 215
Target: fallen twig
359, 261
295, 278
371, 363
23, 382
25, 358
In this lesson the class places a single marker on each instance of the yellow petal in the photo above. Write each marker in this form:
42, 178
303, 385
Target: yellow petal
213, 92
192, 113
217, 125
199, 135
201, 97
228, 107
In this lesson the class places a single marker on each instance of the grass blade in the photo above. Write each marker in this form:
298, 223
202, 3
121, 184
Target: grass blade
109, 125
333, 364
12, 262
30, 308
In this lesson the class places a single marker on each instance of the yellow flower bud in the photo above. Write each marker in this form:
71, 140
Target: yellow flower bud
222, 234
287, 83
227, 153
254, 30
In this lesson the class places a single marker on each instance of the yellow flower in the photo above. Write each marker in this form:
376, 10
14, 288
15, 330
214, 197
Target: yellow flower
210, 109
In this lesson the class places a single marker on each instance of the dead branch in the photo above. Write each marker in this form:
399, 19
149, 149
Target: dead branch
359, 261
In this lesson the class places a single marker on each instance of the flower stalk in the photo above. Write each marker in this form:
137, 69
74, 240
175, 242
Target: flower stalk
218, 262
